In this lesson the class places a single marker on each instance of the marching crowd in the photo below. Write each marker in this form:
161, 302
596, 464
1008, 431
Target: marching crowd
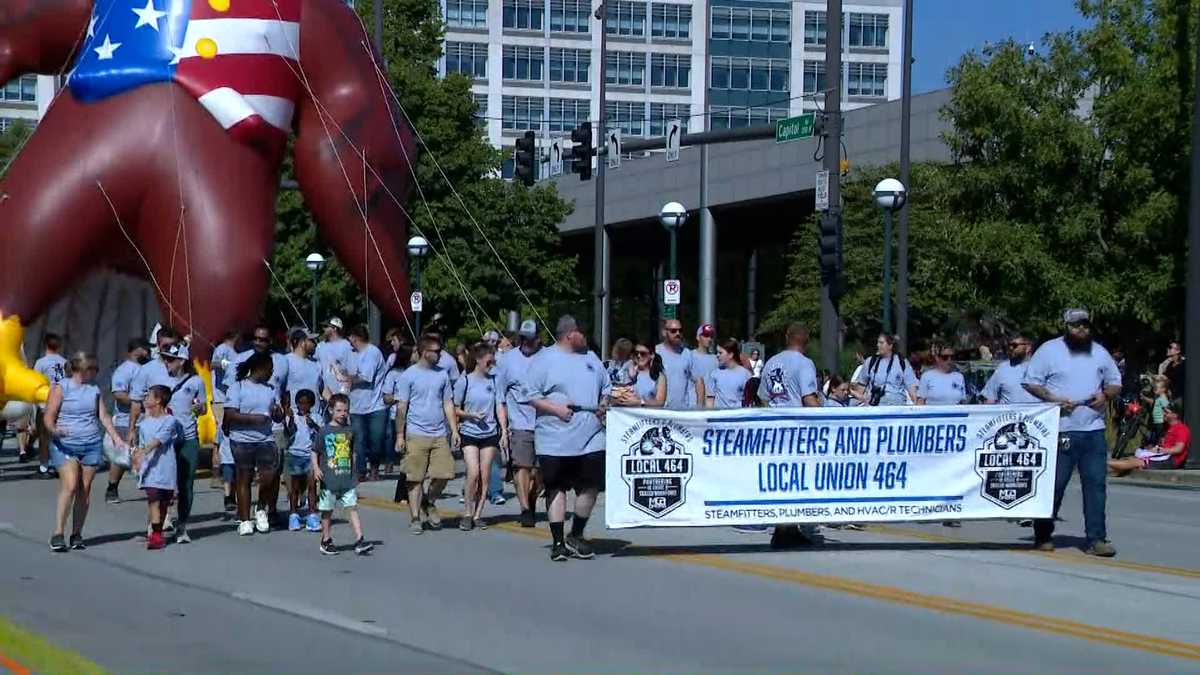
337, 410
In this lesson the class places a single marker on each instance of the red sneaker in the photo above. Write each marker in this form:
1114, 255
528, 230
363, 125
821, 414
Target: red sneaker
155, 541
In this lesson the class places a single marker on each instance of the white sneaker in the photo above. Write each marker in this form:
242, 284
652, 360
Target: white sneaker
246, 528
168, 524
261, 522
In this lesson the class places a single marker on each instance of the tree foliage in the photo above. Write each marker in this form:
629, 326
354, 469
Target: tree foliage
463, 278
11, 140
1068, 188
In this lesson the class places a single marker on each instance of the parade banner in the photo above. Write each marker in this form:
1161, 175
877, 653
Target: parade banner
829, 465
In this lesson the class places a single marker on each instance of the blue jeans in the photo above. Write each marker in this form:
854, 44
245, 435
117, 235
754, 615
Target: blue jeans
496, 479
370, 432
1089, 451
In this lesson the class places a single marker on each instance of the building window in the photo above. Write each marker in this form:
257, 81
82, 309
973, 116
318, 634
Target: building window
569, 65
735, 118
741, 25
780, 79
867, 79
760, 25
781, 25
670, 70
522, 112
481, 108
466, 13
661, 113
868, 30
750, 74
627, 18
625, 68
814, 77
523, 63
570, 16
466, 58
721, 17
568, 113
628, 116
670, 21
815, 28
523, 14
23, 89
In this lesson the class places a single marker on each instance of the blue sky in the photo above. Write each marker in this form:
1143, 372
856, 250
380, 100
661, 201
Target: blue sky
943, 30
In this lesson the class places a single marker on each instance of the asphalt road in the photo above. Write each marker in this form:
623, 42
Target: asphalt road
899, 598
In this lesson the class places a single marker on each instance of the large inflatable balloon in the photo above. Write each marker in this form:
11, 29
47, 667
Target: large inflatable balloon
162, 156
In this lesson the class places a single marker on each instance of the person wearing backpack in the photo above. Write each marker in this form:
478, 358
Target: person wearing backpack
886, 378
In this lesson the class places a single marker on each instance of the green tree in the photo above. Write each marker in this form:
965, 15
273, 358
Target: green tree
504, 225
11, 140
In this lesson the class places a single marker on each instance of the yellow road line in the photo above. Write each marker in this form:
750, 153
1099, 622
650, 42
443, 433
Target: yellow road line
23, 652
1073, 555
1037, 622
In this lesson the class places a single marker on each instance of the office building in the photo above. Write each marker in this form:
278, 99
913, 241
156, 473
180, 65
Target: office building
25, 98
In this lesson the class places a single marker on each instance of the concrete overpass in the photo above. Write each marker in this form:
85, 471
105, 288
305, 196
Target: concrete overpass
759, 192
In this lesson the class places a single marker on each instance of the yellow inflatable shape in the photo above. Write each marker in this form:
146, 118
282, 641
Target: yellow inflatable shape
206, 424
18, 382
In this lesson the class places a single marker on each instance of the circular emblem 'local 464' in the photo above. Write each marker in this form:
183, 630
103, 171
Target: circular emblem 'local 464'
1009, 463
657, 468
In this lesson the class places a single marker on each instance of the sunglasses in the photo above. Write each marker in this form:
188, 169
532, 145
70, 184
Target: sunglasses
674, 330
1079, 324
1017, 344
642, 352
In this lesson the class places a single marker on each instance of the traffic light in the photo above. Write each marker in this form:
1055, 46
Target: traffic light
524, 158
830, 256
581, 153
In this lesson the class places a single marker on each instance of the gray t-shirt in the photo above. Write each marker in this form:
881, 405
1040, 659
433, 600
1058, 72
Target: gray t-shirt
938, 388
158, 467
681, 375
727, 386
1004, 386
478, 394
304, 428
643, 385
391, 382
566, 377
304, 374
447, 363
425, 390
893, 374
787, 378
511, 371
250, 398
1076, 377
331, 354
155, 373
224, 362
77, 417
53, 367
368, 368
122, 380
703, 363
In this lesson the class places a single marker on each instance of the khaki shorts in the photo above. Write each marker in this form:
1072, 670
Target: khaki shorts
427, 457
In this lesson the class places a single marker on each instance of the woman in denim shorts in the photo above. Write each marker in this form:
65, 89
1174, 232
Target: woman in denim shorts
76, 420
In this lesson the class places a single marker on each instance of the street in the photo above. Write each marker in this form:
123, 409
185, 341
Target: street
896, 598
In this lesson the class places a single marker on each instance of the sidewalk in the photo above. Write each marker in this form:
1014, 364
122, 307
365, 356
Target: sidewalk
1180, 479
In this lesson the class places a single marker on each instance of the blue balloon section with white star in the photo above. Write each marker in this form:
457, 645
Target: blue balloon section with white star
129, 43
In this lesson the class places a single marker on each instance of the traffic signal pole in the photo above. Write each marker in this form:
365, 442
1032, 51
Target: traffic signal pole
905, 164
830, 323
600, 279
1191, 323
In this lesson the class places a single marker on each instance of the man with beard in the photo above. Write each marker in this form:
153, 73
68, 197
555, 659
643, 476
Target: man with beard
569, 389
511, 370
1080, 376
1005, 386
679, 365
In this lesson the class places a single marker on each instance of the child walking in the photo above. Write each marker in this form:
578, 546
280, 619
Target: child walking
154, 457
302, 428
333, 466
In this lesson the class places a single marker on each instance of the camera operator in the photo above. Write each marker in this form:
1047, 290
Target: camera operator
886, 378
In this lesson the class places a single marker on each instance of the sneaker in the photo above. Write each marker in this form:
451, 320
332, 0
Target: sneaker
579, 548
77, 543
362, 547
415, 527
952, 523
480, 523
462, 499
110, 494
1101, 548
327, 547
1025, 522
749, 529
294, 522
181, 535
261, 522
230, 504
1046, 546
44, 472
435, 518
246, 528
313, 522
155, 541
464, 523
168, 524
558, 552
58, 543
498, 499
528, 519
787, 536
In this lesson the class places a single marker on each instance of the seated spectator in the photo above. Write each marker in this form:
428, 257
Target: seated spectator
1170, 453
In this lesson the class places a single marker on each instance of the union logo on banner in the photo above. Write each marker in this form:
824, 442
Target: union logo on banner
1009, 463
657, 468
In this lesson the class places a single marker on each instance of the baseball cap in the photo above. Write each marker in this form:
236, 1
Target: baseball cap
335, 322
706, 330
1076, 315
528, 328
176, 351
491, 336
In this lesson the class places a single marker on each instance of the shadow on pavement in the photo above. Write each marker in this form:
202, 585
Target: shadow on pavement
845, 547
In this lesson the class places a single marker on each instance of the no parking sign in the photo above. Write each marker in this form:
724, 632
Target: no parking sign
671, 292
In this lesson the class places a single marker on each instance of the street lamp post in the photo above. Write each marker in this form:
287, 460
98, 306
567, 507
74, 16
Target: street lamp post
417, 249
315, 262
889, 195
672, 216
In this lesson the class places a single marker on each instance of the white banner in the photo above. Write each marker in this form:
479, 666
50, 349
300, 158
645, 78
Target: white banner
829, 465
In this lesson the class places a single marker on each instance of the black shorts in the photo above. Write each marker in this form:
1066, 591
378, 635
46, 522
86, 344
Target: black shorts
578, 473
263, 456
485, 442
